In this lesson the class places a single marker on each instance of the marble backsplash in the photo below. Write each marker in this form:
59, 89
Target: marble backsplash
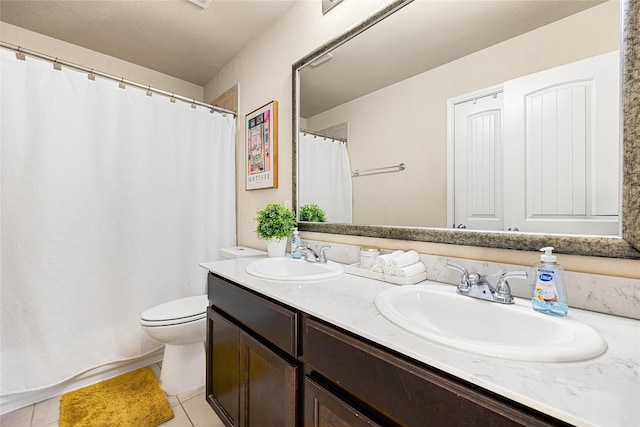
616, 296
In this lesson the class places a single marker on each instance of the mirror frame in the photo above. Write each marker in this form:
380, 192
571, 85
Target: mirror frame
626, 246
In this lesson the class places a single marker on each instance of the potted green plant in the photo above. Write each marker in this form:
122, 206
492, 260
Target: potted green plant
312, 213
275, 225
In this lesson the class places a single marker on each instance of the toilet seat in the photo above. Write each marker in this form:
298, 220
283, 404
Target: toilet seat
175, 312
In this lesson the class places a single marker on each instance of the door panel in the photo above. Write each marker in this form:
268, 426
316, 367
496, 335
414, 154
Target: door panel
478, 201
562, 148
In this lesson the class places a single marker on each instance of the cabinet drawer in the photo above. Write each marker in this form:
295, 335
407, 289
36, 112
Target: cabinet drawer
321, 408
271, 321
405, 392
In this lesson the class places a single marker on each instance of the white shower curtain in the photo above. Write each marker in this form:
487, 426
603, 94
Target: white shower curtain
324, 176
109, 200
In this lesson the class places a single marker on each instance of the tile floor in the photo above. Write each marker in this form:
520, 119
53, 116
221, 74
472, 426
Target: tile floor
190, 410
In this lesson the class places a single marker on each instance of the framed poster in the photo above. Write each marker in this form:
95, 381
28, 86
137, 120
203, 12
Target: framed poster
262, 147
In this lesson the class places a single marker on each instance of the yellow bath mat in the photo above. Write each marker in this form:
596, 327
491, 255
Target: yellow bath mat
134, 399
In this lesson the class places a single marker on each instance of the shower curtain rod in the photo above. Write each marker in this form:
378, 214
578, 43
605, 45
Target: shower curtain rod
322, 136
57, 62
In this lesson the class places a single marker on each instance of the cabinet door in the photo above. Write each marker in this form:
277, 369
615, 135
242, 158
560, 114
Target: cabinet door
270, 386
223, 362
323, 409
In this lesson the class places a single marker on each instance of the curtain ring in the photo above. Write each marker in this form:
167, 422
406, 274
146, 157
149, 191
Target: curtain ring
20, 55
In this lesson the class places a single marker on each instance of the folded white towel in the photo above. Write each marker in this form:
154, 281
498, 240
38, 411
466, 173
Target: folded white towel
413, 270
397, 263
389, 269
382, 260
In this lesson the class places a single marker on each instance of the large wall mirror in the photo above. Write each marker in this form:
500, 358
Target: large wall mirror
482, 123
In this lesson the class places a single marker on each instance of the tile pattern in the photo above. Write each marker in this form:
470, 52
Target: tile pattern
190, 410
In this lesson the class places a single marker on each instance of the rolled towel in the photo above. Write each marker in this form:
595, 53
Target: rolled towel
412, 270
377, 269
389, 269
382, 260
396, 264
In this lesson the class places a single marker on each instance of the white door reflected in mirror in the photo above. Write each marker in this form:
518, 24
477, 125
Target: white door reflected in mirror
556, 169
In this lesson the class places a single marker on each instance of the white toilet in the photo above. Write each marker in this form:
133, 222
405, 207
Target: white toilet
181, 325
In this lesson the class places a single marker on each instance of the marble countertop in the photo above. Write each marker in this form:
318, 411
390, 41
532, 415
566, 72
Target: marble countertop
604, 391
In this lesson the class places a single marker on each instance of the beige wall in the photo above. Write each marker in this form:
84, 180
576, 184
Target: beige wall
415, 116
88, 58
263, 73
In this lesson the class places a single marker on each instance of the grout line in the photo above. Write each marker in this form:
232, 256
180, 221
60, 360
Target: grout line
186, 413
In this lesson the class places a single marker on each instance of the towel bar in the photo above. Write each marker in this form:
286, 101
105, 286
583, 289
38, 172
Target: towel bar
374, 171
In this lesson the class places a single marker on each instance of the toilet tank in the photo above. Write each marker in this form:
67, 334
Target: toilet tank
240, 252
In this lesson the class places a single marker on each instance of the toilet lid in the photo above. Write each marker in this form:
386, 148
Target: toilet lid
173, 322
183, 310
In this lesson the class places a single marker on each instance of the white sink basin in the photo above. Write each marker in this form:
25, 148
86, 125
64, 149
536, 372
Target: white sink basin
511, 331
290, 269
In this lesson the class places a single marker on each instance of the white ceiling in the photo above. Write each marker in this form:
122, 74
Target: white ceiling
174, 37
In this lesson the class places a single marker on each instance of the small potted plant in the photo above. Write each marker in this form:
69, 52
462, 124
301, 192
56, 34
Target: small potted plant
275, 225
312, 213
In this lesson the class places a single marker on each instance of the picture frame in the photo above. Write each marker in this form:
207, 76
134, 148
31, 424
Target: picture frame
262, 147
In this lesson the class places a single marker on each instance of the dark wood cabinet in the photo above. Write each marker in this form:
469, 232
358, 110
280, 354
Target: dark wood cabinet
268, 320
223, 367
324, 409
250, 380
402, 392
270, 390
270, 365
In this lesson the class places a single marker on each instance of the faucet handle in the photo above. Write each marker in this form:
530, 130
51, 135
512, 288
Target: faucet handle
322, 257
455, 266
463, 285
520, 274
503, 290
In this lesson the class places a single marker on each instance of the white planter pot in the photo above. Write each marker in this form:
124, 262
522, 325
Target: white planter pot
277, 248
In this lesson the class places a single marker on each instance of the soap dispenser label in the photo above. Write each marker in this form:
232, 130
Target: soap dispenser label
545, 286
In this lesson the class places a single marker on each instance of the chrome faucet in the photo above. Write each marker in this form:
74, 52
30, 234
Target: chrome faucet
477, 286
310, 255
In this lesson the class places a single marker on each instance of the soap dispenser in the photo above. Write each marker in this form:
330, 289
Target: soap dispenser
549, 294
295, 242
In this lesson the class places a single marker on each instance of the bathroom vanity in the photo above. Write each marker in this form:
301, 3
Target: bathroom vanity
252, 347
283, 354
